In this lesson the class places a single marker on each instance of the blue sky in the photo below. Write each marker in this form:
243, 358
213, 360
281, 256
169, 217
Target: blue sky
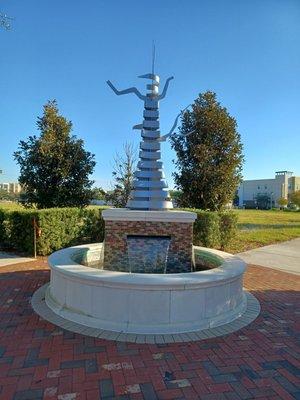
248, 52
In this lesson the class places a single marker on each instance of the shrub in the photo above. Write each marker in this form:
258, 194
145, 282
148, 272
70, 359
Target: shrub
63, 227
16, 230
19, 230
59, 227
206, 228
93, 225
228, 228
2, 229
213, 229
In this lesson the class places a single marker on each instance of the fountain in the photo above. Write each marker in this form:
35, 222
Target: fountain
148, 254
146, 281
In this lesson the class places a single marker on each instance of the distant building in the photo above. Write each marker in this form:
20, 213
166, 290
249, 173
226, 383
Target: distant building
282, 185
11, 187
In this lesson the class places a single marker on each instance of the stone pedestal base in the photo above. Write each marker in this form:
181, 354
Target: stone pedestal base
176, 225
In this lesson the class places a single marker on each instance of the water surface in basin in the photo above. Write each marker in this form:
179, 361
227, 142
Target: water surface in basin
147, 262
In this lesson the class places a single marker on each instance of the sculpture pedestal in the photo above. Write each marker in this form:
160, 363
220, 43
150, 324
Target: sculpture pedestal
123, 223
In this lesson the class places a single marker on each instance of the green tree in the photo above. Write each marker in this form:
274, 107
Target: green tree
123, 174
263, 201
175, 196
283, 202
98, 193
54, 167
295, 198
209, 159
4, 195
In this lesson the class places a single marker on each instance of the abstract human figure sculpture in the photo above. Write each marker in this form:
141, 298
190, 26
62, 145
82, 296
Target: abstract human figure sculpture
150, 190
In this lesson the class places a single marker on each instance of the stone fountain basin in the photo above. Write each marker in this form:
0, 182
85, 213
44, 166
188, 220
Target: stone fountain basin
145, 303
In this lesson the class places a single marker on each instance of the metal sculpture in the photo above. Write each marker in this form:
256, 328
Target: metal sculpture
150, 190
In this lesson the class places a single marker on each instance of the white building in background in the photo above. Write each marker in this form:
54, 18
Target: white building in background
282, 185
11, 187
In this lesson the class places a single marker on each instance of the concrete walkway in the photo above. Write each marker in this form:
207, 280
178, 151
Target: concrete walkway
10, 258
43, 361
283, 256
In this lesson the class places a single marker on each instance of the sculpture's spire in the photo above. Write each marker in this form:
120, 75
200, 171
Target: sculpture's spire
150, 190
153, 56
153, 62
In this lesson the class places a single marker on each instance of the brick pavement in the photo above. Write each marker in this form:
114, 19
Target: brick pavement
41, 361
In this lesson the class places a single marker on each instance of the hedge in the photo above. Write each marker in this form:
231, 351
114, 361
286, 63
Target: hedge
214, 229
63, 227
228, 228
59, 227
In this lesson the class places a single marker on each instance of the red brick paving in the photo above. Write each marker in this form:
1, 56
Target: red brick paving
41, 361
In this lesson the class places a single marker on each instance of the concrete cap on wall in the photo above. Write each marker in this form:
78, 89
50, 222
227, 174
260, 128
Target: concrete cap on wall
123, 214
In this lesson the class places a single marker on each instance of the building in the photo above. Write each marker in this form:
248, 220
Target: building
11, 187
282, 185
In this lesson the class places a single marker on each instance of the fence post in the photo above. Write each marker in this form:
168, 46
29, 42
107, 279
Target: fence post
34, 237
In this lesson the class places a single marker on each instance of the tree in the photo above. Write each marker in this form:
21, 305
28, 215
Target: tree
283, 202
175, 196
123, 170
5, 195
209, 159
295, 198
263, 201
98, 193
54, 167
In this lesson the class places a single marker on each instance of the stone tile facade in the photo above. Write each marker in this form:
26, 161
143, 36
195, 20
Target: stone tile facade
180, 256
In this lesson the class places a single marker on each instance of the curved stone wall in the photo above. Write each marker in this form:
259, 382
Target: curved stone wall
145, 303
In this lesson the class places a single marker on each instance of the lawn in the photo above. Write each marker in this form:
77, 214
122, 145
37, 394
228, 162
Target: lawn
259, 228
262, 218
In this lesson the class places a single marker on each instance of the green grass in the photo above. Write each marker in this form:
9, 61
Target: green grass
260, 228
267, 217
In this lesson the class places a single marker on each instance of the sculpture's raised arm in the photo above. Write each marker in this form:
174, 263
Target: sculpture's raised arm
126, 91
165, 137
164, 92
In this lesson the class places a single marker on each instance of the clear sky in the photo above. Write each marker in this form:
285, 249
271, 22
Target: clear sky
248, 52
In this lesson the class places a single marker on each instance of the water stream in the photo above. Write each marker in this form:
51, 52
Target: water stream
148, 254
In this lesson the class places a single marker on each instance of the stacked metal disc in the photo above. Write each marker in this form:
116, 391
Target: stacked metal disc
150, 190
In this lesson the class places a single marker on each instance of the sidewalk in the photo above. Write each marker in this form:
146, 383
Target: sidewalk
10, 258
283, 256
42, 361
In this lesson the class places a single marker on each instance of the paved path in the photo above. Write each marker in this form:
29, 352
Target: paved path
283, 256
10, 258
41, 361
